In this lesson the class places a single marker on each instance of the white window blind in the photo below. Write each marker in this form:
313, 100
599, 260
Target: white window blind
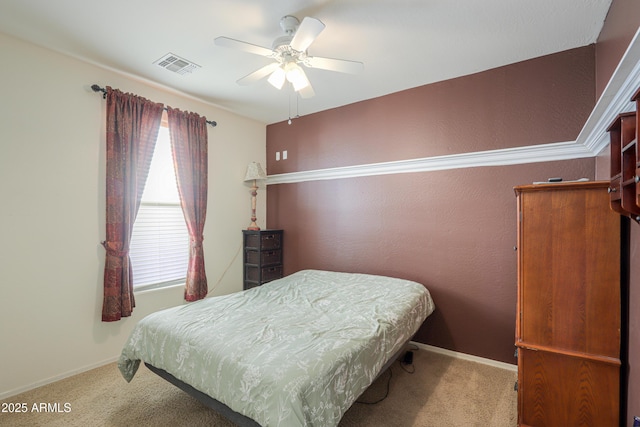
159, 248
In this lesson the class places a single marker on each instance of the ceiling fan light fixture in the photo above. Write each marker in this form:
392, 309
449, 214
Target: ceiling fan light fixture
300, 83
288, 53
277, 78
296, 76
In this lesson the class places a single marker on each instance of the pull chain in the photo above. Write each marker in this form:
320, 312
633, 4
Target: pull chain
297, 107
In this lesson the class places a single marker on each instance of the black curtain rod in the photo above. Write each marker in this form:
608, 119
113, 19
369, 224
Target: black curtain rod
97, 88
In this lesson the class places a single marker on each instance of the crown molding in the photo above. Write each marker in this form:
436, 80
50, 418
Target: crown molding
593, 138
615, 99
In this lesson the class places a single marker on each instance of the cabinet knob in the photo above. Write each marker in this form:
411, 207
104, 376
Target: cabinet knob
636, 179
613, 190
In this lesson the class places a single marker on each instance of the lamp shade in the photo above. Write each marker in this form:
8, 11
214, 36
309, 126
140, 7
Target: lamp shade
296, 76
254, 171
277, 78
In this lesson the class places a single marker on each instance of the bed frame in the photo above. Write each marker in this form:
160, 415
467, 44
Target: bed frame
206, 400
224, 410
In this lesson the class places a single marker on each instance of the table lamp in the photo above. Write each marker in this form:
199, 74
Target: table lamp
254, 173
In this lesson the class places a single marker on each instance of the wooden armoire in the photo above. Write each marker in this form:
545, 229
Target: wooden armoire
568, 306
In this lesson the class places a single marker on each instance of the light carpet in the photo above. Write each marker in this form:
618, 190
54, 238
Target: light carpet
442, 391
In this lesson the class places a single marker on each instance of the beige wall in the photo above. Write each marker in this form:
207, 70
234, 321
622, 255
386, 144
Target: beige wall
52, 188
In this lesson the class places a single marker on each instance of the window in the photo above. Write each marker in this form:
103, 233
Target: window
159, 248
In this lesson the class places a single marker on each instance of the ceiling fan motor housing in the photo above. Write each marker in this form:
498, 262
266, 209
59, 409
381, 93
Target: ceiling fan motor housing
281, 43
289, 25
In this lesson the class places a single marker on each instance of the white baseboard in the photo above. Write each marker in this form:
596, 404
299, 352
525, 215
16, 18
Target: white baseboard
16, 391
465, 356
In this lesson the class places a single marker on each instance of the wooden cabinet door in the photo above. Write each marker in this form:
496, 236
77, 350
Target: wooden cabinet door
569, 254
568, 325
560, 391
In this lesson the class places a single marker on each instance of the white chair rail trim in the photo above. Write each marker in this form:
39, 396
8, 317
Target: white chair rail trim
509, 156
615, 99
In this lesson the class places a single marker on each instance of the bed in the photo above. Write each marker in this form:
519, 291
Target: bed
297, 351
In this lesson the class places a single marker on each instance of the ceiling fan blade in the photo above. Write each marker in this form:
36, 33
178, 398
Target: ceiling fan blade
340, 65
307, 92
247, 47
258, 74
306, 33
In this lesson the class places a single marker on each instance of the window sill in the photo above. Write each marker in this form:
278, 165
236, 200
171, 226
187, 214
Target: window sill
157, 287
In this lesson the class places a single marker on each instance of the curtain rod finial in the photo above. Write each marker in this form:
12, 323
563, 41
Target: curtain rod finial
97, 88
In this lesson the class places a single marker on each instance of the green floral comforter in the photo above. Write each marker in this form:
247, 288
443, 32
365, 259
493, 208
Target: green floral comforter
297, 351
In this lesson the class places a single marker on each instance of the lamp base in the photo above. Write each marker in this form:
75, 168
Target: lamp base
254, 192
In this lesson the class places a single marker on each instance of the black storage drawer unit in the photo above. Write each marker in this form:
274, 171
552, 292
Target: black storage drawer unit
262, 240
255, 275
262, 256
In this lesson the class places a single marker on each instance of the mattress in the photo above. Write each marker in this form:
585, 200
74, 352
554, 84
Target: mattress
297, 351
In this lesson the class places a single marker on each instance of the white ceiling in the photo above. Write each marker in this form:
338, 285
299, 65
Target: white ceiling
403, 43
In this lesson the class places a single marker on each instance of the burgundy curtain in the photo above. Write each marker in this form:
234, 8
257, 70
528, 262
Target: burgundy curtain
132, 129
189, 146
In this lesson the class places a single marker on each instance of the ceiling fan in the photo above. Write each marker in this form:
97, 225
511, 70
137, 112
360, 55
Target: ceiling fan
290, 53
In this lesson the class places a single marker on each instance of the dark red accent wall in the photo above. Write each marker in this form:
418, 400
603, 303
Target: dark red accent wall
542, 100
618, 31
452, 230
